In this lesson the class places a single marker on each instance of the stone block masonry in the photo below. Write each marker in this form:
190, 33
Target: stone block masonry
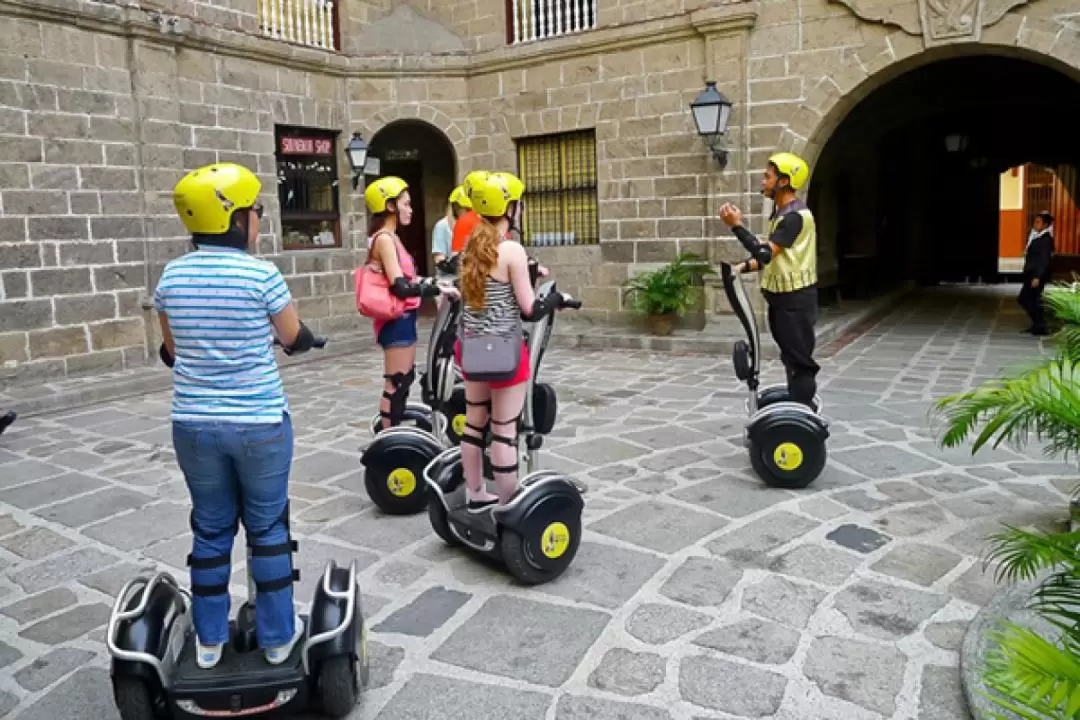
97, 128
104, 106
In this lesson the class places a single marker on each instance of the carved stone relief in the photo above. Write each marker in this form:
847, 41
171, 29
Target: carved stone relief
938, 21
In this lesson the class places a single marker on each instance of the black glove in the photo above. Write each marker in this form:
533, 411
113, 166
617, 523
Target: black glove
429, 288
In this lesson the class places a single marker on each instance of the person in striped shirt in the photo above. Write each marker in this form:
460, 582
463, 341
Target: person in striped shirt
219, 309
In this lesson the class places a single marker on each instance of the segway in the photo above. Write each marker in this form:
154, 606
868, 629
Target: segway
786, 439
155, 677
395, 459
536, 534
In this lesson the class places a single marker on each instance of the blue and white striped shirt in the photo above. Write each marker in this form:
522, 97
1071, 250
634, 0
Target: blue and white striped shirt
219, 302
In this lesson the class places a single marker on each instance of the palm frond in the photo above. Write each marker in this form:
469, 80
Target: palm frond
1032, 674
1021, 555
1044, 402
1057, 600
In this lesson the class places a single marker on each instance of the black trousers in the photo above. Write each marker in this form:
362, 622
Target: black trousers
792, 317
1031, 300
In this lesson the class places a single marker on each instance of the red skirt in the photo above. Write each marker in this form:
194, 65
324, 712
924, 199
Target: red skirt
522, 372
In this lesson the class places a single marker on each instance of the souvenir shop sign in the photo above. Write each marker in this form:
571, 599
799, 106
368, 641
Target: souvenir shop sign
293, 145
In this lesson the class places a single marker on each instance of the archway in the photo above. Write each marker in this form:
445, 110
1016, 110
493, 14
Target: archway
908, 184
424, 157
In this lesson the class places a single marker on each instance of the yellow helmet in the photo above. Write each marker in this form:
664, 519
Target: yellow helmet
382, 191
471, 179
797, 169
458, 197
493, 193
206, 198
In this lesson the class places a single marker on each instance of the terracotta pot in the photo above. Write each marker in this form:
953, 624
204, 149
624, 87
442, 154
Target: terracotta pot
661, 325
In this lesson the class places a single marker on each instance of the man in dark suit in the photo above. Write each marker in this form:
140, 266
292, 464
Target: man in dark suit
1036, 272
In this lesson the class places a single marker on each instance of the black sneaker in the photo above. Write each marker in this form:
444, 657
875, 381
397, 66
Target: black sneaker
6, 419
479, 506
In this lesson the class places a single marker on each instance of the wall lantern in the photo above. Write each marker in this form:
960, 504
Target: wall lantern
712, 111
956, 143
356, 151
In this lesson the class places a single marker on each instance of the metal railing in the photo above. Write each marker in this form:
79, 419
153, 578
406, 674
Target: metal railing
312, 23
528, 20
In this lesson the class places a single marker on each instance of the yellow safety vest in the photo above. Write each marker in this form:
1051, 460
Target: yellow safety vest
796, 267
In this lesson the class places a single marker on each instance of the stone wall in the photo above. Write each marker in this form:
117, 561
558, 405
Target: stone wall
97, 129
101, 120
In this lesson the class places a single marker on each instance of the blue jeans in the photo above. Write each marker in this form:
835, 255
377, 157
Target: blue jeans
233, 472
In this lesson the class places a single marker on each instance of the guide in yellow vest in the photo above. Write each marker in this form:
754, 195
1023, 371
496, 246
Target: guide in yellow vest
788, 261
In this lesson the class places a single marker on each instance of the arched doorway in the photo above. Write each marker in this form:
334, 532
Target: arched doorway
908, 184
421, 155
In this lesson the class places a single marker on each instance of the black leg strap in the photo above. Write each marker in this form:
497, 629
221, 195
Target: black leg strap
474, 441
512, 442
505, 468
208, 563
511, 421
210, 590
285, 548
482, 403
278, 584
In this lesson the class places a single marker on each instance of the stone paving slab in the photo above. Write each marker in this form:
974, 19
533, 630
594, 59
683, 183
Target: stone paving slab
697, 592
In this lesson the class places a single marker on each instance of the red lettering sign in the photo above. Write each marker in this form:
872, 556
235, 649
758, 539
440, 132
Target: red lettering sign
305, 146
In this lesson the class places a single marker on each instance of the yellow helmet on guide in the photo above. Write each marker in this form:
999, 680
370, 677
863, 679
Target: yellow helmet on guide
492, 194
382, 191
797, 169
206, 198
458, 197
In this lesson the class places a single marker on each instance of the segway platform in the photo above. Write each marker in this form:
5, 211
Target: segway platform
240, 684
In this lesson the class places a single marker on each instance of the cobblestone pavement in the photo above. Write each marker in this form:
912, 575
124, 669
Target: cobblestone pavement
697, 593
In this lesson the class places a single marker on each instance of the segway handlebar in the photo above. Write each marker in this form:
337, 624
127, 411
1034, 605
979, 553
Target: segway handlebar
574, 304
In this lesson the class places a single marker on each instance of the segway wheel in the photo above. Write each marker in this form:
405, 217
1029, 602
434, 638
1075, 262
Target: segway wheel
791, 462
395, 483
454, 412
134, 699
440, 522
546, 555
339, 686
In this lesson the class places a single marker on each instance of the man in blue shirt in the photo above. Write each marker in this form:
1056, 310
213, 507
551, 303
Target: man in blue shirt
219, 309
443, 232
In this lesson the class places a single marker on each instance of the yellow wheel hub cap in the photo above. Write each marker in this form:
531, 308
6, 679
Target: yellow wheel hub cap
402, 482
788, 456
555, 540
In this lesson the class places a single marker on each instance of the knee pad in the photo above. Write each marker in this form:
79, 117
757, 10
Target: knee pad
211, 563
477, 440
258, 545
399, 398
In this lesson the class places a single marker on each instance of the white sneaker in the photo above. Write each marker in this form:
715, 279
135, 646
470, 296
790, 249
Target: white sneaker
207, 656
281, 653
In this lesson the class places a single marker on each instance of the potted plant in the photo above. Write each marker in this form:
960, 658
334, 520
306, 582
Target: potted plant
662, 295
1026, 673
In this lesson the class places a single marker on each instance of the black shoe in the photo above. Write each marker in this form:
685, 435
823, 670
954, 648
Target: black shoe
479, 506
6, 419
1040, 332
